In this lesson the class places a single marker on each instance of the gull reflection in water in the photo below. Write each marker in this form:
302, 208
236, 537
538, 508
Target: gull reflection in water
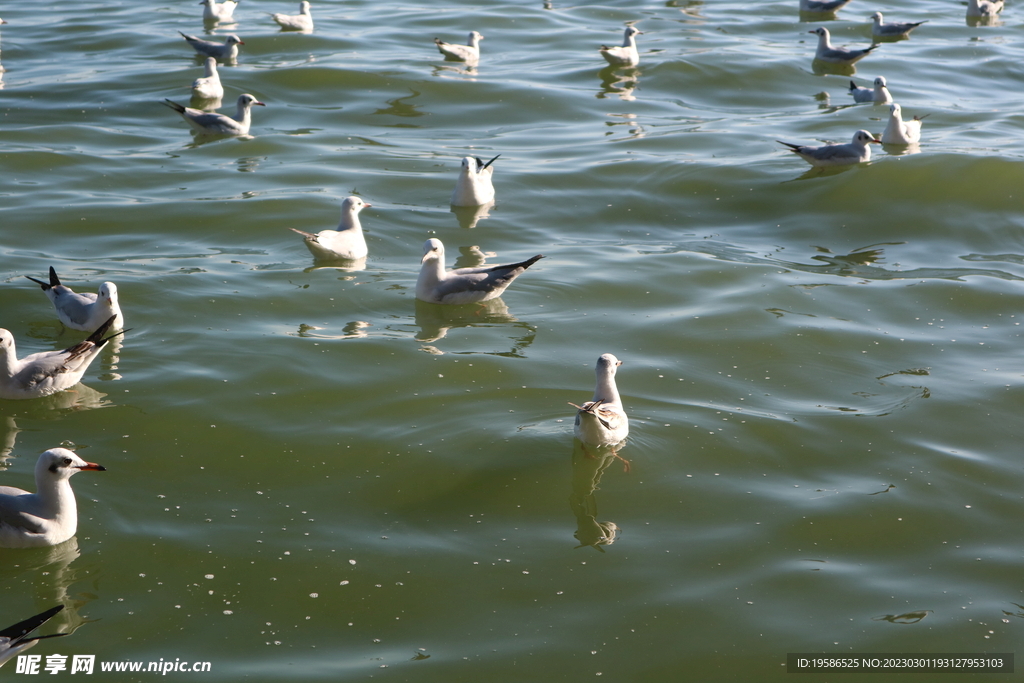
588, 466
338, 264
352, 330
468, 216
619, 80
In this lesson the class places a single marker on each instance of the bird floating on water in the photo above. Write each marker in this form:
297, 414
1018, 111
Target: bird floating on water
602, 421
50, 515
822, 5
625, 54
836, 55
347, 242
836, 155
212, 123
984, 8
900, 132
303, 21
226, 50
463, 285
461, 53
894, 29
85, 312
474, 186
14, 639
47, 372
208, 85
212, 11
878, 94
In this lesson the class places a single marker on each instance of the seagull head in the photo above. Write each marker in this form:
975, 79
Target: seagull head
633, 31
432, 249
108, 293
353, 204
304, 7
895, 109
607, 363
60, 463
475, 37
233, 40
248, 100
821, 32
880, 82
863, 137
877, 17
6, 340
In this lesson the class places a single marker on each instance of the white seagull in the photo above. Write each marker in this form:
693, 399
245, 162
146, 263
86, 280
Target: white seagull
226, 50
474, 187
461, 53
47, 372
214, 123
879, 94
214, 12
900, 132
303, 21
893, 29
14, 639
85, 312
347, 242
984, 8
836, 55
208, 86
602, 420
463, 285
836, 155
822, 5
625, 54
50, 515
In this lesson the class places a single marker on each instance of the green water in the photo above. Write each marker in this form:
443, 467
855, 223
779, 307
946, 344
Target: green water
311, 476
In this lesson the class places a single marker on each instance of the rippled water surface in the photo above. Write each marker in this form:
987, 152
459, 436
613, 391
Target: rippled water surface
312, 476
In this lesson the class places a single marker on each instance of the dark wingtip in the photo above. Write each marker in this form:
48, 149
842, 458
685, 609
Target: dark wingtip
25, 627
42, 284
54, 280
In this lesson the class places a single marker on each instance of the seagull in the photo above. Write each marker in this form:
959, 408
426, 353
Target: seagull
226, 50
836, 155
50, 515
461, 53
14, 640
85, 312
822, 5
984, 8
347, 242
463, 285
836, 55
602, 421
47, 372
303, 21
879, 94
894, 29
900, 132
214, 123
474, 187
214, 12
208, 86
626, 54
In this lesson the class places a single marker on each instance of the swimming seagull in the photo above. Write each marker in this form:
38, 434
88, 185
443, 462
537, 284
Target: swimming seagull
900, 132
347, 242
836, 155
879, 94
226, 50
214, 123
50, 515
463, 285
625, 54
602, 421
984, 8
474, 186
836, 55
14, 639
85, 312
303, 21
461, 53
822, 5
47, 372
892, 29
214, 12
208, 86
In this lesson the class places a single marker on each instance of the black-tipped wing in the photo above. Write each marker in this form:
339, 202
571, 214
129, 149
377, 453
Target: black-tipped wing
23, 628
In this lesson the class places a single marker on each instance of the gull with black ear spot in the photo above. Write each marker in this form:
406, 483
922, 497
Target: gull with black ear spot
50, 515
347, 242
227, 50
463, 285
625, 54
826, 52
85, 312
208, 86
474, 186
898, 131
15, 639
878, 94
47, 372
214, 123
854, 152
